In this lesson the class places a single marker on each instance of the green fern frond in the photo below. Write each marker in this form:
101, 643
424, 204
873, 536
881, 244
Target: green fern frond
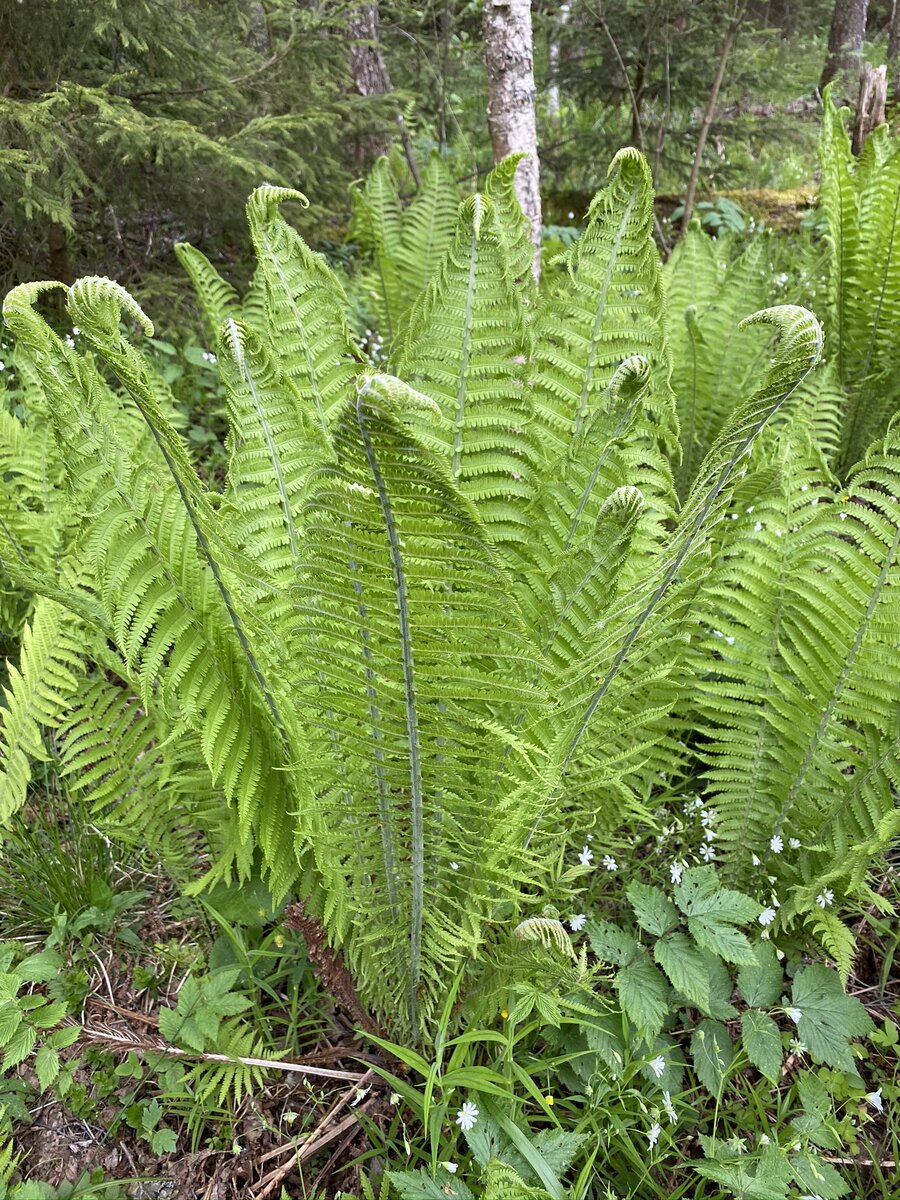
217, 297
428, 225
499, 187
305, 309
421, 660
466, 346
610, 308
36, 695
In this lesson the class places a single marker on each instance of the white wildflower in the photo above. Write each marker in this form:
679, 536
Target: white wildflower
577, 922
843, 516
586, 857
676, 870
609, 862
795, 1014
658, 1066
670, 1108
730, 640
767, 916
467, 1117
454, 866
794, 843
758, 527
754, 858
798, 1047
707, 817
765, 1140
825, 898
709, 834
653, 1135
707, 852
874, 1098
776, 844
452, 1167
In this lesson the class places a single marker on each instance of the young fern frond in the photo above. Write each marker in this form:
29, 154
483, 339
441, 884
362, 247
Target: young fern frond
305, 309
610, 308
803, 715
465, 347
36, 695
428, 225
499, 187
613, 695
217, 297
423, 660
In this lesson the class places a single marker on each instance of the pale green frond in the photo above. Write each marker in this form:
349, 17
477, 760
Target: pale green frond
466, 347
428, 225
424, 664
38, 690
217, 297
305, 309
499, 186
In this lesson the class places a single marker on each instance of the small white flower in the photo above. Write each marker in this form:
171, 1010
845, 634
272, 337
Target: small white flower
653, 1135
794, 843
452, 1167
707, 853
734, 516
454, 866
767, 916
843, 516
709, 834
798, 1047
586, 857
361, 1094
571, 216
795, 1014
776, 844
395, 1098
658, 1066
675, 871
825, 898
754, 858
778, 533
765, 1140
707, 817
730, 640
758, 527
467, 1117
874, 1098
609, 862
670, 1108
814, 501
588, 837
577, 922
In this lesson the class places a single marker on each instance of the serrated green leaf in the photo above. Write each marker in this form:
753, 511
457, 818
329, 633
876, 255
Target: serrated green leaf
721, 988
642, 993
829, 1018
46, 1066
49, 1014
40, 968
812, 1174
685, 966
419, 1185
61, 1039
610, 943
721, 939
712, 1052
762, 1042
19, 1046
760, 984
655, 912
164, 1141
10, 1020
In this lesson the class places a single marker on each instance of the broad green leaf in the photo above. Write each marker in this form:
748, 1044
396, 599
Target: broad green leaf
760, 983
712, 1052
685, 966
610, 943
655, 912
642, 993
813, 1175
419, 1185
46, 1066
829, 1017
713, 934
762, 1042
19, 1046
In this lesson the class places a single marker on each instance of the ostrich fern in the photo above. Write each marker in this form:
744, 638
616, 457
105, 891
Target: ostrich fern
437, 617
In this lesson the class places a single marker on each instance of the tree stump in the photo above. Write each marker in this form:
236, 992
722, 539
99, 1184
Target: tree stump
872, 101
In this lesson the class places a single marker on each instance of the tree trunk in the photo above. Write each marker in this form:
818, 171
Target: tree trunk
893, 56
870, 109
369, 70
848, 28
509, 61
707, 120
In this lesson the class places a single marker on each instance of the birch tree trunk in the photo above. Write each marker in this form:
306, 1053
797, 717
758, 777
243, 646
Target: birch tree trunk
368, 68
845, 39
509, 62
893, 56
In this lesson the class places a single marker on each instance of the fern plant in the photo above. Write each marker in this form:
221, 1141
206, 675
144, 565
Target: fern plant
437, 618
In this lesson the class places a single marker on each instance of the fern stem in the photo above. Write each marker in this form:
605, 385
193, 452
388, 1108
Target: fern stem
412, 717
